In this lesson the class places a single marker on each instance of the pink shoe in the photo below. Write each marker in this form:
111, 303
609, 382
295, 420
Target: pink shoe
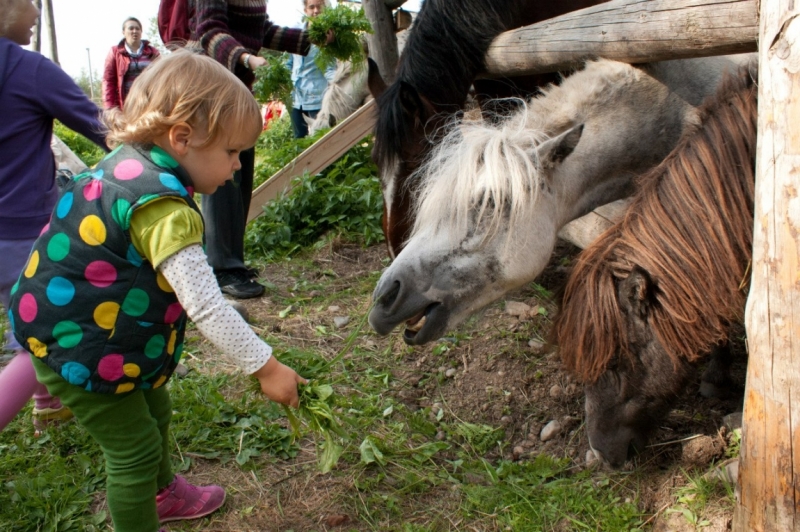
181, 500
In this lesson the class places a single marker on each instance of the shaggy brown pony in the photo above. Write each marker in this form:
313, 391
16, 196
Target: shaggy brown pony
661, 288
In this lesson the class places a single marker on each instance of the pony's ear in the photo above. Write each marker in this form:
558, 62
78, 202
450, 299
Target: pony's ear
558, 148
634, 293
375, 82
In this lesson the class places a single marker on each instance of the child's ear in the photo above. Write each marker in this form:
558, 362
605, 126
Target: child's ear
180, 136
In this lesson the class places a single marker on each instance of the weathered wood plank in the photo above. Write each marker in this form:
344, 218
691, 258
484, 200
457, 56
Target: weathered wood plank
583, 231
632, 31
317, 157
769, 470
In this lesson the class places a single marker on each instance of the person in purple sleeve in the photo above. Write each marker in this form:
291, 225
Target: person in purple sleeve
233, 32
33, 92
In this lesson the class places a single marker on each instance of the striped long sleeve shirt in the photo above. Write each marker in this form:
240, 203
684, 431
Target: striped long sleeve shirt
226, 29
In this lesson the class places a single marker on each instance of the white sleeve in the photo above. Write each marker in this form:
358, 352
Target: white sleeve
189, 274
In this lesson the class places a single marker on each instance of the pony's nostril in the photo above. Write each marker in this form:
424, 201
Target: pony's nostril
388, 298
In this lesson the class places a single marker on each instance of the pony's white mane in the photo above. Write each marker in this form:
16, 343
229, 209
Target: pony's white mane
344, 94
482, 177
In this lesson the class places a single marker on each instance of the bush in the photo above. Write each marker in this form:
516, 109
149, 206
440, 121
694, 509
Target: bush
344, 198
89, 152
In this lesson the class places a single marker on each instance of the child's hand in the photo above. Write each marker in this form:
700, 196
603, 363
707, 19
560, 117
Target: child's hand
279, 382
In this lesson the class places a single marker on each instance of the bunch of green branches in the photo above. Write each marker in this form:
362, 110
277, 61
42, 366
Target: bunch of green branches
348, 26
274, 81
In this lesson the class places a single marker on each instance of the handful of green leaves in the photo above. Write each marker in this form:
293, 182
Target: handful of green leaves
274, 81
317, 403
348, 26
316, 409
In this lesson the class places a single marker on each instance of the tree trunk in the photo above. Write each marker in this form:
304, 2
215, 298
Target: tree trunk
633, 31
382, 43
36, 41
769, 471
51, 27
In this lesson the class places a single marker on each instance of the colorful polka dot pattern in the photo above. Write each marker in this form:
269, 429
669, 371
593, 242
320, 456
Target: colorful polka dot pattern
113, 301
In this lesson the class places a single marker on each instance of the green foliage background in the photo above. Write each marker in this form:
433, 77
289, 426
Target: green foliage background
89, 152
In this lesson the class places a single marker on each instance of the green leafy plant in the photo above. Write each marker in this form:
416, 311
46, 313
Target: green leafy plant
348, 26
345, 198
274, 81
88, 152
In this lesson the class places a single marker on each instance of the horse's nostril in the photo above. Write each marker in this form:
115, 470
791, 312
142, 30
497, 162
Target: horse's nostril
387, 298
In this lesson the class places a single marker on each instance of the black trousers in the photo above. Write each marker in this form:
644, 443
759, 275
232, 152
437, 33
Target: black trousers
225, 216
299, 126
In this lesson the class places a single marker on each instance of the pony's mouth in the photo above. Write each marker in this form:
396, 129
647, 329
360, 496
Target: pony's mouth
416, 330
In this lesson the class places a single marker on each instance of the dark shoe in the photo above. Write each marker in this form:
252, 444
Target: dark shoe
239, 284
252, 273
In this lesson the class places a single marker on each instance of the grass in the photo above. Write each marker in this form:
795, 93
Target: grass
402, 467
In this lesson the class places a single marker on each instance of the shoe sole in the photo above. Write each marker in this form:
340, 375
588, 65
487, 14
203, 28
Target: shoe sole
198, 516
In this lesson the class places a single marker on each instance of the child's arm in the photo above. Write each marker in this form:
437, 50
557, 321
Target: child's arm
189, 274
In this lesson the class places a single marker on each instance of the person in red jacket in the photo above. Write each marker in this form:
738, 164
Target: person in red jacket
124, 63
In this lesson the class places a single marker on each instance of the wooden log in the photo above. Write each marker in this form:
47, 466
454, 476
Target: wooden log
769, 470
585, 230
317, 157
632, 31
382, 42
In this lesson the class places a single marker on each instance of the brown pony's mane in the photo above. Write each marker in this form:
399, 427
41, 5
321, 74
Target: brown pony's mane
690, 227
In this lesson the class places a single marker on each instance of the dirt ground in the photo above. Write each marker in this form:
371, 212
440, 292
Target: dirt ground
497, 369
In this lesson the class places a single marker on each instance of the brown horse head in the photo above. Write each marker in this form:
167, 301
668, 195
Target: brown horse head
412, 122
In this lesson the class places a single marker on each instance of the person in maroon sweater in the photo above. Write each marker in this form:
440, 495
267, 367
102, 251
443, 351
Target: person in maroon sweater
124, 62
233, 32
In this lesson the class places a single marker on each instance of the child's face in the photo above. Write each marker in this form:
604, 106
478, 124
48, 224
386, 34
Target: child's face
210, 166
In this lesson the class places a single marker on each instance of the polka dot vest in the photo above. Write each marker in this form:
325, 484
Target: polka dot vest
86, 302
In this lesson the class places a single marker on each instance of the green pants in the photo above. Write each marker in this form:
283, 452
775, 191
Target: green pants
132, 430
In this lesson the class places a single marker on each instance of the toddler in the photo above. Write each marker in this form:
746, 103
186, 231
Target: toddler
103, 300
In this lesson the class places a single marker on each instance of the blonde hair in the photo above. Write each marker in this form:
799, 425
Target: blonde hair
11, 10
184, 87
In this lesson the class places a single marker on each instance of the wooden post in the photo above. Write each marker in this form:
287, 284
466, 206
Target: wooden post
36, 41
382, 43
632, 31
51, 27
769, 470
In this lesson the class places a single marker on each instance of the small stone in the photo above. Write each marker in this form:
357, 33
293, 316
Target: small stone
517, 308
181, 370
341, 321
555, 391
442, 369
436, 407
590, 457
506, 420
440, 435
334, 308
484, 407
571, 389
241, 309
501, 373
517, 452
536, 345
314, 293
450, 373
550, 431
733, 421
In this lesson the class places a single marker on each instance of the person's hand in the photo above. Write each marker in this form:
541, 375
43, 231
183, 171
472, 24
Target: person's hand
256, 61
279, 382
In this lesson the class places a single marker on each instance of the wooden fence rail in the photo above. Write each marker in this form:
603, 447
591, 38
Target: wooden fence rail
631, 31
